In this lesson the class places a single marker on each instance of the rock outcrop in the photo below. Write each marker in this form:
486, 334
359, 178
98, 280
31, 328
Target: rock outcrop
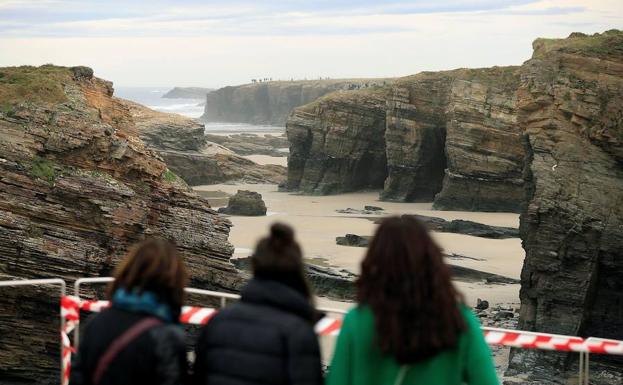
271, 102
187, 93
246, 203
253, 144
77, 188
460, 226
337, 143
571, 106
353, 240
448, 136
182, 143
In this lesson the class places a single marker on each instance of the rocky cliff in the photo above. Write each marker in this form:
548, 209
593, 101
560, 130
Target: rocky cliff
271, 102
570, 104
546, 138
77, 187
336, 143
431, 136
183, 145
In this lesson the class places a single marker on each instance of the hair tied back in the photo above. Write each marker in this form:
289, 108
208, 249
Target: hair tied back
281, 233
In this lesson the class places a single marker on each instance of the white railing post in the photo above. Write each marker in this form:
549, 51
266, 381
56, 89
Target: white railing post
77, 285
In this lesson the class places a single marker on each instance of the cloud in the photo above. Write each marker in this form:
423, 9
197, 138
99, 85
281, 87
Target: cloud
217, 43
70, 18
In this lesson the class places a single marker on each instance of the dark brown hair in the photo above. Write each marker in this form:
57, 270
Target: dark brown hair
407, 285
153, 265
278, 257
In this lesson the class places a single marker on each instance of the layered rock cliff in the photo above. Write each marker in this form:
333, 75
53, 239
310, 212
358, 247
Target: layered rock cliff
546, 138
448, 136
182, 143
570, 104
271, 102
77, 187
337, 144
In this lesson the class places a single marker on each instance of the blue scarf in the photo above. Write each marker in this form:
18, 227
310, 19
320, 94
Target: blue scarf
146, 302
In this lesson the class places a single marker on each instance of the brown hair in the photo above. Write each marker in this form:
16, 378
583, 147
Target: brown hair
153, 265
407, 285
278, 257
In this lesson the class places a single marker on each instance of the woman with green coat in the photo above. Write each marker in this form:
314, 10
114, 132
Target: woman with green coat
410, 326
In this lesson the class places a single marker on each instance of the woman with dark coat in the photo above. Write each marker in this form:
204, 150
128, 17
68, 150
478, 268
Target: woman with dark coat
137, 340
268, 337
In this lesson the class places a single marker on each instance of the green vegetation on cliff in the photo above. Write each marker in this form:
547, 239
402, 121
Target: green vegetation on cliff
32, 84
606, 44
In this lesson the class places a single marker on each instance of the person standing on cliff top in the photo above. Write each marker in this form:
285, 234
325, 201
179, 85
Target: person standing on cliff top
136, 340
411, 326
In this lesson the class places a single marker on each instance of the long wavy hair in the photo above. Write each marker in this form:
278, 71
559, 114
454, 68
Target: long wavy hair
279, 257
407, 285
153, 265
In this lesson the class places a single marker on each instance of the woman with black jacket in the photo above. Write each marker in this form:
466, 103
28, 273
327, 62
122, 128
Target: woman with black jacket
268, 337
136, 340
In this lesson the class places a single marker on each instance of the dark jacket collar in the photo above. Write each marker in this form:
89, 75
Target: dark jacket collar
276, 294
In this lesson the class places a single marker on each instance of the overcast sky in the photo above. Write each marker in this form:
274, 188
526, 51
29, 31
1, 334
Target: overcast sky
217, 43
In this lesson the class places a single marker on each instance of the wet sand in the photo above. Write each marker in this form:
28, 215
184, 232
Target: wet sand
317, 225
267, 159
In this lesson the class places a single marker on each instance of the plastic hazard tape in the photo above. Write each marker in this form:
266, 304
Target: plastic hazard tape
544, 341
71, 306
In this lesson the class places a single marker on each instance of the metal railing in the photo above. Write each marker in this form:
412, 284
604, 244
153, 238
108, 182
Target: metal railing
578, 344
191, 290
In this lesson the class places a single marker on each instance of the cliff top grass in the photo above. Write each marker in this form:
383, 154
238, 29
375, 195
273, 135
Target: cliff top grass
345, 96
33, 84
505, 78
606, 44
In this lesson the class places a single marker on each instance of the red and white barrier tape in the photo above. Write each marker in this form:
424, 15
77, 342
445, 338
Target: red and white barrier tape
71, 306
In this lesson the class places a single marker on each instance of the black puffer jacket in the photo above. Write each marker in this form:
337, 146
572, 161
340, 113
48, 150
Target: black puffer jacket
267, 338
156, 357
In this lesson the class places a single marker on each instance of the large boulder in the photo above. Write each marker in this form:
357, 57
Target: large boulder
246, 203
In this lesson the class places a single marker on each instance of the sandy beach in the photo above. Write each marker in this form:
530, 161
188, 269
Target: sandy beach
318, 224
267, 159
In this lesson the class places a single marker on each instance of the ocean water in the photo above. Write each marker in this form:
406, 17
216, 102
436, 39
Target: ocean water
152, 98
193, 108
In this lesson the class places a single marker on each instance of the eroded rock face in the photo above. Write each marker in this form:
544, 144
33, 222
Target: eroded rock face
415, 137
77, 188
483, 148
571, 105
452, 137
337, 143
446, 136
182, 143
271, 102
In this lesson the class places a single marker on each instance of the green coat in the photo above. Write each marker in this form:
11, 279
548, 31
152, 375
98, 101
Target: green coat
358, 361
